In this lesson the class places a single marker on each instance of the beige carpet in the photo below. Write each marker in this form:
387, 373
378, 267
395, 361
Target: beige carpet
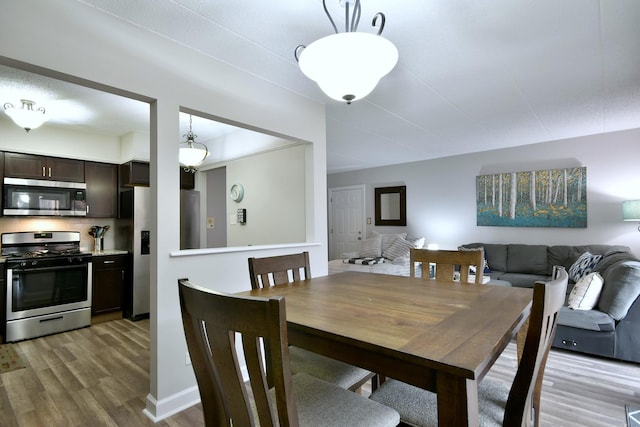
10, 360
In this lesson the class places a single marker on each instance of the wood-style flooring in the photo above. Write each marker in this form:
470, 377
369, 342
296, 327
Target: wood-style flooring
99, 376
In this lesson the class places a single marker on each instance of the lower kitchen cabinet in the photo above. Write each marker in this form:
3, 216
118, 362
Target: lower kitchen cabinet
110, 273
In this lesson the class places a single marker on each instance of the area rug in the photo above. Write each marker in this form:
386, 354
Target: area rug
10, 360
633, 416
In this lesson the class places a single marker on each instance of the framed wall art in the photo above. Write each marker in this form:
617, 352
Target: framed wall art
543, 198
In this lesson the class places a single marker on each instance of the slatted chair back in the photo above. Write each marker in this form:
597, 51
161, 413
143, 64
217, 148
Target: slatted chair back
446, 263
211, 321
524, 396
276, 270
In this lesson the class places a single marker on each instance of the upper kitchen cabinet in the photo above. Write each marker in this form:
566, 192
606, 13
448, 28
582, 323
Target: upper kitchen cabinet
134, 173
102, 189
137, 173
17, 165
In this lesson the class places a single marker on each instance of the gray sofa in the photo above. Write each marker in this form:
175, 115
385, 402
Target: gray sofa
612, 328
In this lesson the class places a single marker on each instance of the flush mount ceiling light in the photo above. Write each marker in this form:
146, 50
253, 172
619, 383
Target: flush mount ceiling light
26, 117
348, 66
192, 153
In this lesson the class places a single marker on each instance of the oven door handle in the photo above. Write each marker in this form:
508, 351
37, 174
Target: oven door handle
21, 270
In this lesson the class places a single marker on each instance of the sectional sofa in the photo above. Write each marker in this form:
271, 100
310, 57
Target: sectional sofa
612, 327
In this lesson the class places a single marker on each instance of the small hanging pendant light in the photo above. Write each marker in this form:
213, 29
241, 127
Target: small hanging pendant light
192, 153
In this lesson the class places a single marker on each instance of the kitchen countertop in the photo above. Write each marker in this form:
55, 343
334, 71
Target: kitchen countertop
108, 252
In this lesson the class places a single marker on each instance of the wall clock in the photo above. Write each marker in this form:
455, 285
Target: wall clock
237, 192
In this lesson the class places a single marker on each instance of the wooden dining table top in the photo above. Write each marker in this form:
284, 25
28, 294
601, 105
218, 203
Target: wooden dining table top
396, 325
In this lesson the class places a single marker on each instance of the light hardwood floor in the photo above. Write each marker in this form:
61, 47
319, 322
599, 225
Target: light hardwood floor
99, 376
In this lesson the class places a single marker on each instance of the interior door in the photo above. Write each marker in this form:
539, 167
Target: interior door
346, 220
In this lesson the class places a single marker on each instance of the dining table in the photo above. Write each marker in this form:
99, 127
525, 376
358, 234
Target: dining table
439, 336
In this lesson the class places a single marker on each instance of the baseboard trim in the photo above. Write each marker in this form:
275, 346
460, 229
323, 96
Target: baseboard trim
158, 410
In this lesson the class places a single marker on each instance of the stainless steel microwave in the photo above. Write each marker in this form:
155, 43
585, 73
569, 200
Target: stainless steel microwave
44, 198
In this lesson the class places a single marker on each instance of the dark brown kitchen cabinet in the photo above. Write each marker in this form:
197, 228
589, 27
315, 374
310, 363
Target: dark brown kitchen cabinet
134, 173
102, 189
18, 165
137, 173
110, 273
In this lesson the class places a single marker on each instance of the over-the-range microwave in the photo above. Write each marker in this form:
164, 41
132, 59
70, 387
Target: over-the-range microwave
44, 198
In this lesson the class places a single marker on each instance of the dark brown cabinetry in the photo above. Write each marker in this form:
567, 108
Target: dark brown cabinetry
137, 173
110, 273
134, 173
102, 189
17, 165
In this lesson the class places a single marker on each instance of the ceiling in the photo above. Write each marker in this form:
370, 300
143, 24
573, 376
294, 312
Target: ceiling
472, 75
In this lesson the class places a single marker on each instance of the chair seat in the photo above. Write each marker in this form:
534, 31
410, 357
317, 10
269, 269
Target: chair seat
323, 404
419, 408
327, 369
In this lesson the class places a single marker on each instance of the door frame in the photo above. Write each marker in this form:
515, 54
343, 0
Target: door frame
360, 187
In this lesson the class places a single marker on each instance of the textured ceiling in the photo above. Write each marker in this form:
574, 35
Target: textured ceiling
472, 75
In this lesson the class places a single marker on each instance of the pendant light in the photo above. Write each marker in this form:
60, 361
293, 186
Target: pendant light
26, 117
192, 153
348, 66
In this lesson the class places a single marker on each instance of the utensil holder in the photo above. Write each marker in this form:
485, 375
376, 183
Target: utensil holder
97, 244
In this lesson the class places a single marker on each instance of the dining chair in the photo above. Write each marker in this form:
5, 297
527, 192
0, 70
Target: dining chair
499, 405
277, 270
446, 263
221, 328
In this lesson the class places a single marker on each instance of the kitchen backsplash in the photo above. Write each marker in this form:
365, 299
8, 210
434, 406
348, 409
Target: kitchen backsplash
112, 238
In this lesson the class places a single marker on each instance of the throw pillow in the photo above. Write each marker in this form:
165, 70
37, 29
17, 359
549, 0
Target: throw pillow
583, 266
399, 249
486, 268
418, 242
585, 293
388, 239
371, 247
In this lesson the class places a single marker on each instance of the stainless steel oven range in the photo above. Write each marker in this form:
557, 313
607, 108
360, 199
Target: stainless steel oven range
48, 281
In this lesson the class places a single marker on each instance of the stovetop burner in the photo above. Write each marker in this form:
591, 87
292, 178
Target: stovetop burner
40, 244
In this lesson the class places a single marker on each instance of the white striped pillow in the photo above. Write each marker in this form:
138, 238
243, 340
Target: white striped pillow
371, 247
398, 249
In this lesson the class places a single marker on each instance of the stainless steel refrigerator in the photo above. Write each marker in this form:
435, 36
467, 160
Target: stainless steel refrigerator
134, 211
189, 219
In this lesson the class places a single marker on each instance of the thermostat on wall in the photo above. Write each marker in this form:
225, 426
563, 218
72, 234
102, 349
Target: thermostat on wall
237, 192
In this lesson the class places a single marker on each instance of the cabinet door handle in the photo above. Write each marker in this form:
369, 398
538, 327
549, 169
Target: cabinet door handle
49, 172
108, 262
43, 169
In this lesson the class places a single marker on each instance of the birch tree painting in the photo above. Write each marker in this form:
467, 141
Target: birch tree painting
544, 198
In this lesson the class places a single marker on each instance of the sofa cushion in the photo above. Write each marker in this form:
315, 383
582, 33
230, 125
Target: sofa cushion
566, 255
495, 254
614, 256
592, 320
584, 265
621, 288
585, 293
530, 259
522, 280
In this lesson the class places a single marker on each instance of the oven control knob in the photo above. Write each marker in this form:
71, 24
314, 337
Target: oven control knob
23, 263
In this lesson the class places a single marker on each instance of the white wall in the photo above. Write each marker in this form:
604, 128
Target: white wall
71, 38
441, 193
273, 197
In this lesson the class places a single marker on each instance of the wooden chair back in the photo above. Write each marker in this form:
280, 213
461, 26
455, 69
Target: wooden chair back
276, 270
446, 263
523, 402
211, 321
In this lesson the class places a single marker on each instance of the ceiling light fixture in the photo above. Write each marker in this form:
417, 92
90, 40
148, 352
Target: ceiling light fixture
348, 66
26, 117
192, 153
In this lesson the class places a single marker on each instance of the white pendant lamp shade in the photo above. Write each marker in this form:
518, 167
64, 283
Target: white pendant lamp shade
348, 66
26, 117
191, 154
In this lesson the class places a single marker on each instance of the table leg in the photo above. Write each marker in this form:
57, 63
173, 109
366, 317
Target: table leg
457, 401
